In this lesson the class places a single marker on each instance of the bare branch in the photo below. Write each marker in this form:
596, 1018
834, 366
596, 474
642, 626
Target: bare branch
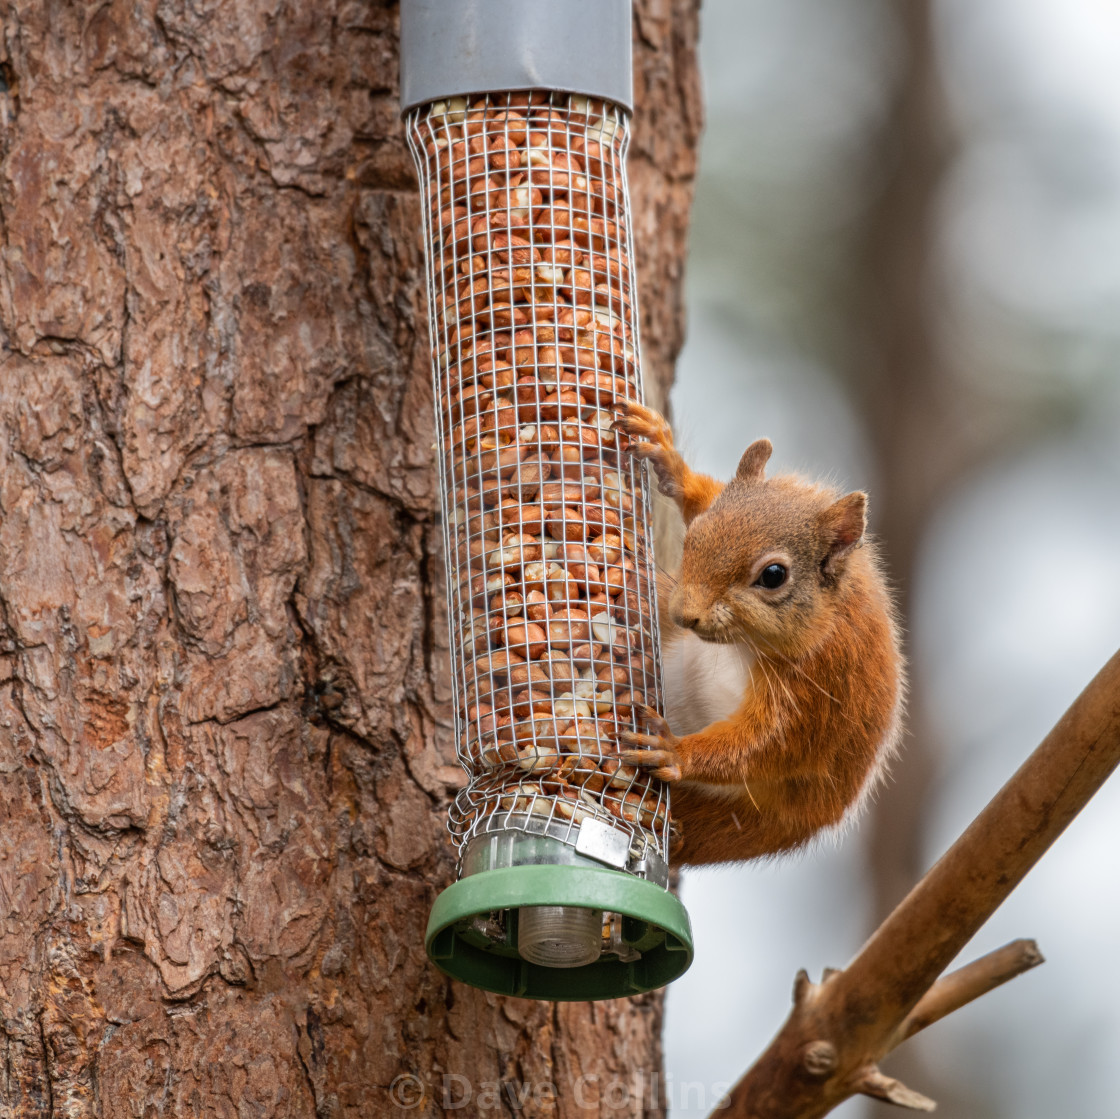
874, 1083
860, 1010
968, 983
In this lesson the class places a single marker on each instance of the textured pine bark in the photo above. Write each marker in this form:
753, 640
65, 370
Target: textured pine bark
225, 751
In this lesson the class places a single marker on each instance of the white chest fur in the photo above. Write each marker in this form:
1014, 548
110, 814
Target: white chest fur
703, 682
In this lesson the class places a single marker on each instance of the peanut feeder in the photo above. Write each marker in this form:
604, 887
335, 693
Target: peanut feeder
517, 118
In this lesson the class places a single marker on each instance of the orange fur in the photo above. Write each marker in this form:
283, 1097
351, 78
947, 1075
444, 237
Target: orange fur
820, 713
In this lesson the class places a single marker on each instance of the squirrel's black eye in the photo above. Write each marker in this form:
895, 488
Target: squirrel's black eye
772, 576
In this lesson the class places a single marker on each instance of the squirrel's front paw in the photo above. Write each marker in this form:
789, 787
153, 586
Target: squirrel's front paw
652, 440
659, 751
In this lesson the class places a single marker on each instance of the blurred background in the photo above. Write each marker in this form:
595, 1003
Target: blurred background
905, 271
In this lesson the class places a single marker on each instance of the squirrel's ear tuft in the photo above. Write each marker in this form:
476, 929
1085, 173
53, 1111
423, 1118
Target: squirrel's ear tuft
754, 460
842, 526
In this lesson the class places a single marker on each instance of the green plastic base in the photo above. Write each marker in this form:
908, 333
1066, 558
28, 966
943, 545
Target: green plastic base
654, 923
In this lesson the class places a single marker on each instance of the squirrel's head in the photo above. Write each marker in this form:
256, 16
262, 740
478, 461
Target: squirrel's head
766, 562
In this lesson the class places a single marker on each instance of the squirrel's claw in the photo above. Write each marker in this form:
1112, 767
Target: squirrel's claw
665, 764
646, 427
637, 419
651, 439
648, 742
656, 720
657, 751
662, 465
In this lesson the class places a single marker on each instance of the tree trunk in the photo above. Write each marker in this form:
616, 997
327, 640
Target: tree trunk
225, 749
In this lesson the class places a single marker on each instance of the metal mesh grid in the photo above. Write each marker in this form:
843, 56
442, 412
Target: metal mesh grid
534, 326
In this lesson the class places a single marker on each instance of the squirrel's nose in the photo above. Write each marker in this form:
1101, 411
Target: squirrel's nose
688, 620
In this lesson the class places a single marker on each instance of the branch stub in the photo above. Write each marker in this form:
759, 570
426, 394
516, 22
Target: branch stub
819, 1059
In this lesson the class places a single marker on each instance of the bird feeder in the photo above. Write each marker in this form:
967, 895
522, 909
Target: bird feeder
517, 116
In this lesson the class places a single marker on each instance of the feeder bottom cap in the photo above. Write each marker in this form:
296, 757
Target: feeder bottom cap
559, 935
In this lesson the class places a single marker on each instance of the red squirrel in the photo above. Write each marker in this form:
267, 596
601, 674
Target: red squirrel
783, 678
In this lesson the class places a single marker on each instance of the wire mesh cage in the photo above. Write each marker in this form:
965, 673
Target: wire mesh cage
533, 320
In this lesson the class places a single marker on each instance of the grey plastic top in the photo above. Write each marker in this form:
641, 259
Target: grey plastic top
454, 47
